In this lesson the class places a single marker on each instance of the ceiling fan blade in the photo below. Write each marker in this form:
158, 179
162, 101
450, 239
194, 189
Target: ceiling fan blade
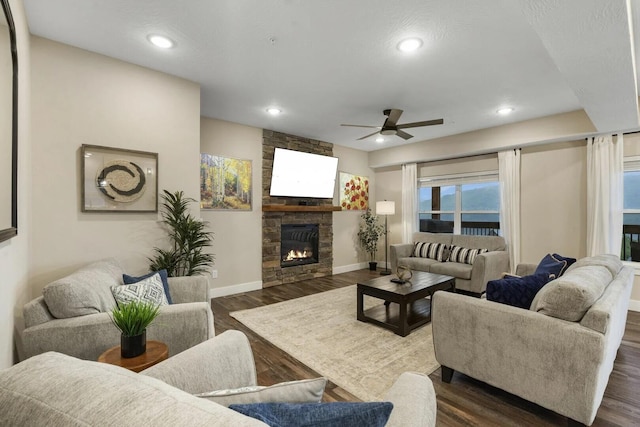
393, 115
403, 134
361, 126
367, 136
418, 124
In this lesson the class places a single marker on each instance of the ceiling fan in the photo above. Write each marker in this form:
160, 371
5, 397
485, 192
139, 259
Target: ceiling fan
390, 126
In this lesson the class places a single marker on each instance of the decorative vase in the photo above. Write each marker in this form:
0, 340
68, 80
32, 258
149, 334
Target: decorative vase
403, 272
133, 346
373, 265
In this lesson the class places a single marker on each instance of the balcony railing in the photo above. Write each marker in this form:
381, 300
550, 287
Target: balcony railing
473, 228
630, 243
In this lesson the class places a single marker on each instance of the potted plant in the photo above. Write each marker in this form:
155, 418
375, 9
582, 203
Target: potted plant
189, 238
132, 320
369, 234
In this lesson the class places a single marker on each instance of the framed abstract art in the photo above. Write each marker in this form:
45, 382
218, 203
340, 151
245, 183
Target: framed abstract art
118, 180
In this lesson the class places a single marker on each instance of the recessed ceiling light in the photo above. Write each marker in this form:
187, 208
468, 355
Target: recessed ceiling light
505, 110
379, 139
274, 111
160, 41
409, 45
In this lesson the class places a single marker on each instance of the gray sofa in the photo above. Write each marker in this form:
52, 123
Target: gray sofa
469, 278
558, 354
55, 389
72, 316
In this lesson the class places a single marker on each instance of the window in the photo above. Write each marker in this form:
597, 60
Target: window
460, 204
631, 210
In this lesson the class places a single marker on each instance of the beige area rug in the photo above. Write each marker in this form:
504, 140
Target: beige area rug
322, 332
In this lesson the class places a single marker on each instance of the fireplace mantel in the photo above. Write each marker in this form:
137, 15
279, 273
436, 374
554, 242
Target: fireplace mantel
300, 208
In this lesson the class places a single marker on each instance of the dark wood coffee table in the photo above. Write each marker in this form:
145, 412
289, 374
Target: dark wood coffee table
411, 308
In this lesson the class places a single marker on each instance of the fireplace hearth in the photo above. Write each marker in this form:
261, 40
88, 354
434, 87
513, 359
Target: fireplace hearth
298, 244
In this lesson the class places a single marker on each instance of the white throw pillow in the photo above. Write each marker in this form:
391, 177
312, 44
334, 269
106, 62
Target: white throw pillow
302, 391
148, 290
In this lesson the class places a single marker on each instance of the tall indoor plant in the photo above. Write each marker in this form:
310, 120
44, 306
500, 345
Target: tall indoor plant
369, 234
132, 319
189, 239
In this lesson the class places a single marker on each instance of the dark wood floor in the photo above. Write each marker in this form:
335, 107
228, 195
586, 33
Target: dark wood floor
464, 402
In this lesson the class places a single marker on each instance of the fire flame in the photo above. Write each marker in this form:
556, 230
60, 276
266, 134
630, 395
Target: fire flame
294, 255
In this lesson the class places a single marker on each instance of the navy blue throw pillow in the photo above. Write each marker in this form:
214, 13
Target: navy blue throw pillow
551, 265
517, 291
130, 280
564, 258
332, 414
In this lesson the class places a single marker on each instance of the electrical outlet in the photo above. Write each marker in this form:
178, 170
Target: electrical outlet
214, 273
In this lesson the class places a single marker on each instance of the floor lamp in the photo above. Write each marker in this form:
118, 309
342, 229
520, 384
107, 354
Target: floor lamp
385, 208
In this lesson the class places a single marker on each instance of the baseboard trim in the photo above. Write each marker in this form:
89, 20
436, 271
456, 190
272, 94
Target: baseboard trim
634, 305
350, 267
235, 289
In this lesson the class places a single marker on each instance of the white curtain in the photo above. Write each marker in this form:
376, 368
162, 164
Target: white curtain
409, 201
509, 176
605, 169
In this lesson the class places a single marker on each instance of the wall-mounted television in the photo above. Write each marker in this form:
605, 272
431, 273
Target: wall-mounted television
298, 174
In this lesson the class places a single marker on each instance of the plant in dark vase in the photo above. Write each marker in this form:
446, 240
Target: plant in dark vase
132, 320
189, 239
369, 234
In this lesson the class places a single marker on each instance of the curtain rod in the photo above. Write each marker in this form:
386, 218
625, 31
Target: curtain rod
623, 133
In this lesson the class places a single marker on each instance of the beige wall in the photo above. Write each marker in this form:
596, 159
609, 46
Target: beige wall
14, 252
79, 98
388, 186
553, 200
347, 253
238, 234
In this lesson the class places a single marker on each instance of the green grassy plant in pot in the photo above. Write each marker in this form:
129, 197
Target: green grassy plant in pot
132, 319
369, 234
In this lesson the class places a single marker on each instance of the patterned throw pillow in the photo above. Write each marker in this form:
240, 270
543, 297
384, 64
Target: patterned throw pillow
130, 280
435, 251
302, 391
464, 255
147, 290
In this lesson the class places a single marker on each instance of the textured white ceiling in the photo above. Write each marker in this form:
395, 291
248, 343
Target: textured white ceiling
335, 61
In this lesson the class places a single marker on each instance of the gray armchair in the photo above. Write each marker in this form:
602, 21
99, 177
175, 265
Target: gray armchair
182, 325
229, 364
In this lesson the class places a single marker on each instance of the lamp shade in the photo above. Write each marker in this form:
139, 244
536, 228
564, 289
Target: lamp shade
385, 207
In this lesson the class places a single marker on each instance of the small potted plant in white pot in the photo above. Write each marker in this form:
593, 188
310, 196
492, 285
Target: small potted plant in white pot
369, 234
132, 320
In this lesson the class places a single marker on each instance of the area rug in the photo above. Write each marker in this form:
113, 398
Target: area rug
322, 332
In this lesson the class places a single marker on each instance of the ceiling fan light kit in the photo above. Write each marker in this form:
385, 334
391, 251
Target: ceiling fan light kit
390, 126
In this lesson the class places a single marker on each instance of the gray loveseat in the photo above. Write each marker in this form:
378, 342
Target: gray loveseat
72, 316
558, 354
55, 389
472, 278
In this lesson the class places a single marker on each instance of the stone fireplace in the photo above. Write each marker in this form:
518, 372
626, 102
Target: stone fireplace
281, 215
298, 244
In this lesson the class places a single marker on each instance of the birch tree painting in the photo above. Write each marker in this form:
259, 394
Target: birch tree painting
225, 183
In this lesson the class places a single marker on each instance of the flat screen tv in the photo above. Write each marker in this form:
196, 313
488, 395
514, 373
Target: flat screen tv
298, 174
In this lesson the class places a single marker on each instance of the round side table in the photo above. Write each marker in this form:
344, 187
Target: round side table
156, 352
